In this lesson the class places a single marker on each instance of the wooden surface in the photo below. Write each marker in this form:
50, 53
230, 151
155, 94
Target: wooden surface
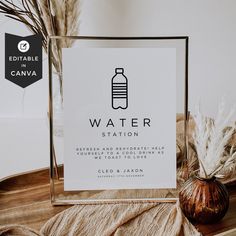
24, 200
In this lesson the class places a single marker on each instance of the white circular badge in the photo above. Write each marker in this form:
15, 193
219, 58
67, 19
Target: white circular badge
23, 46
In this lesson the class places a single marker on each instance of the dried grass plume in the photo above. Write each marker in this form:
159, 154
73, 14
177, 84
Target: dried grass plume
211, 138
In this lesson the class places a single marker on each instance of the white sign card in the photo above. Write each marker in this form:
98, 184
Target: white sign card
119, 118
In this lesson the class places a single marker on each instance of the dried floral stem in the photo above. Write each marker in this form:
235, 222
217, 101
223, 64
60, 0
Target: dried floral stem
211, 138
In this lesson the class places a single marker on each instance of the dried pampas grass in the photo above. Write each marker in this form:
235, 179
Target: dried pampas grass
211, 138
46, 17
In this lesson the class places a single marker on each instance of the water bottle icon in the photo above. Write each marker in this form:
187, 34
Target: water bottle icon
119, 89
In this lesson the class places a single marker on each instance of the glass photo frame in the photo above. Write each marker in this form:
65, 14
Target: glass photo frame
82, 62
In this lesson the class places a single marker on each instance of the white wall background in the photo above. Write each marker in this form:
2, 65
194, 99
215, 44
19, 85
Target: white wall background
212, 64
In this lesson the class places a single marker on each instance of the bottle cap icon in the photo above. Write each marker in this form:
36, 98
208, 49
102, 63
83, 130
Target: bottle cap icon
119, 70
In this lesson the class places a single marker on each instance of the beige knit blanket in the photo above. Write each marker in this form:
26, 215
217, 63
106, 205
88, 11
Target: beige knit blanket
113, 219
122, 219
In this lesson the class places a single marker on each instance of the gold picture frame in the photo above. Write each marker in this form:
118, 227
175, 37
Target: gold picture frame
58, 195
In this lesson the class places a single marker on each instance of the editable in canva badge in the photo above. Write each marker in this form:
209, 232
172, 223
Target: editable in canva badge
23, 59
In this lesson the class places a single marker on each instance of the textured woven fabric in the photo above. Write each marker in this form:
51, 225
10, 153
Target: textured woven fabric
146, 219
119, 220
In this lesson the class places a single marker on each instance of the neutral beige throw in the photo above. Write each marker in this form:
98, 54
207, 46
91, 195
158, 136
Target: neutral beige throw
119, 220
113, 219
